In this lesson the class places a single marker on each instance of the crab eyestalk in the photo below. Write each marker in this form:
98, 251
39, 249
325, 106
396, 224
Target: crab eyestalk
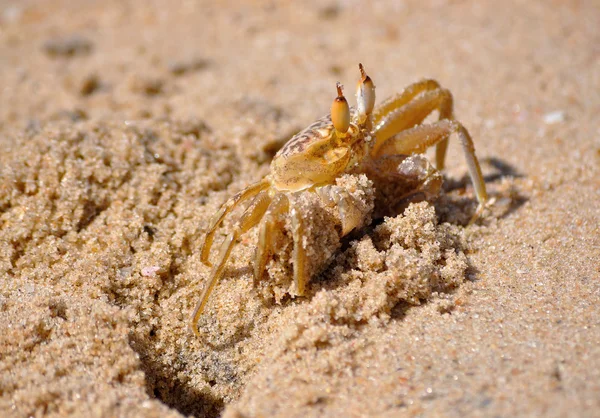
365, 95
340, 112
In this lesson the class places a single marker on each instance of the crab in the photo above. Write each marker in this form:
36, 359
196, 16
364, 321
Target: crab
384, 142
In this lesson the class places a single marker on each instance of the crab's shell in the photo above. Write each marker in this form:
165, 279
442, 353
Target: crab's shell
312, 157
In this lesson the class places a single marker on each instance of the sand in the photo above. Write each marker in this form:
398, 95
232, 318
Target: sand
125, 125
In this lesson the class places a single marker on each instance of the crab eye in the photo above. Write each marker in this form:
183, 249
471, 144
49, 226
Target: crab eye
340, 111
365, 94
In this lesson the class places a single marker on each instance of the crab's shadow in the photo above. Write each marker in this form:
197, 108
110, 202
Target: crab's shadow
455, 199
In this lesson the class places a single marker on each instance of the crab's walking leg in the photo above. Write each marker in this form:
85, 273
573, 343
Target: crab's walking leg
299, 252
397, 116
416, 140
227, 207
250, 218
264, 249
402, 98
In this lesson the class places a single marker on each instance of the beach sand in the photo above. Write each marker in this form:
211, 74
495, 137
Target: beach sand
124, 125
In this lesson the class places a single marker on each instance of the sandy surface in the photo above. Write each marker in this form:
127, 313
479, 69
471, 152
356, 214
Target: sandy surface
124, 125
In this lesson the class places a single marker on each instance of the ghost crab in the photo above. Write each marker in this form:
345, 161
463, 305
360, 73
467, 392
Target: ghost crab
368, 140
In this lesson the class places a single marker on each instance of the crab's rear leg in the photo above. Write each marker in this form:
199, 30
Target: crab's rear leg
250, 218
417, 139
402, 98
397, 115
227, 207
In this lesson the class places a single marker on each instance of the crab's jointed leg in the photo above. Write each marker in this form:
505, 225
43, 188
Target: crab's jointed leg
417, 139
299, 252
227, 207
400, 99
402, 112
264, 248
250, 218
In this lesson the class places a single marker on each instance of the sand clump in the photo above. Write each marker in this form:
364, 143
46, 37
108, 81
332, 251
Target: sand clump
405, 252
404, 261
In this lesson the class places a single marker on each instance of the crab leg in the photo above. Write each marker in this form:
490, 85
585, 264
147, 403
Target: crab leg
264, 249
402, 98
250, 218
227, 207
417, 139
299, 252
390, 120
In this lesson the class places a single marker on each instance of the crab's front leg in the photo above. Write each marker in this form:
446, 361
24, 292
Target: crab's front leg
280, 205
417, 139
250, 218
230, 205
